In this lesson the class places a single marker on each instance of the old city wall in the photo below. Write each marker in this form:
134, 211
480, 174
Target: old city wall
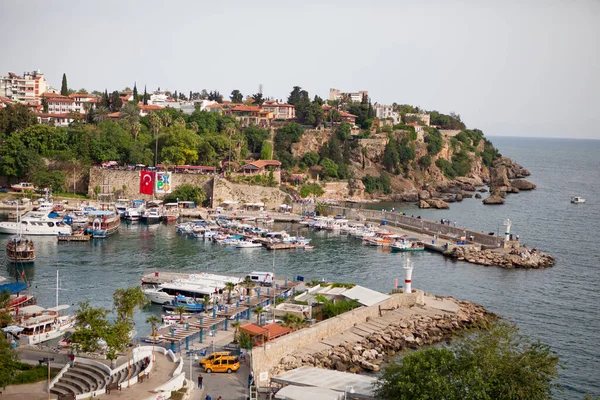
117, 179
224, 190
266, 357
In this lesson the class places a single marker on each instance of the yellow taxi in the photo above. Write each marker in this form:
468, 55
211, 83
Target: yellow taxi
227, 364
214, 356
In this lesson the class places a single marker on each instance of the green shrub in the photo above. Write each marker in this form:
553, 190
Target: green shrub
446, 167
311, 188
31, 374
425, 161
434, 142
377, 185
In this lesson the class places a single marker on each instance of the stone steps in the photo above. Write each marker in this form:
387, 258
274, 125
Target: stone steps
81, 387
70, 388
92, 384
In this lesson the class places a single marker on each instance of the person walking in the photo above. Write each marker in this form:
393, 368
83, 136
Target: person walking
208, 397
200, 380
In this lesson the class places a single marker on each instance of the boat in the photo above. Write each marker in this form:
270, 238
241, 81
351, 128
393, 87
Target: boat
191, 305
135, 210
23, 186
577, 200
407, 245
152, 215
36, 324
171, 212
247, 245
20, 249
78, 236
17, 299
121, 206
103, 223
35, 223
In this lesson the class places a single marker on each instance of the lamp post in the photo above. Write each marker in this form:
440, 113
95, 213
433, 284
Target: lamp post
47, 361
351, 391
192, 386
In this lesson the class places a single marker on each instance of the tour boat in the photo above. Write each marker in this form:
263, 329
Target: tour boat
18, 248
23, 186
17, 298
42, 324
406, 245
247, 245
103, 223
577, 200
35, 223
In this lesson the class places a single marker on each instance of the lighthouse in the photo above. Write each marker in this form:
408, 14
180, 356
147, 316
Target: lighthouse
507, 225
407, 277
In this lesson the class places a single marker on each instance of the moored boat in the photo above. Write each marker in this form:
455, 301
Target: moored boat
103, 223
190, 305
20, 250
407, 245
23, 186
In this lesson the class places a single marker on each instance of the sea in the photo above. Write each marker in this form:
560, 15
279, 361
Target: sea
559, 306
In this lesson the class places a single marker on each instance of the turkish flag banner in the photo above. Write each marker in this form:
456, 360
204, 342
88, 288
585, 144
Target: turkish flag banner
146, 182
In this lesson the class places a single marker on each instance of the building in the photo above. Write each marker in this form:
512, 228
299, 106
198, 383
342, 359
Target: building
148, 108
347, 117
63, 119
387, 112
416, 117
336, 94
59, 104
262, 167
280, 110
80, 100
25, 89
252, 115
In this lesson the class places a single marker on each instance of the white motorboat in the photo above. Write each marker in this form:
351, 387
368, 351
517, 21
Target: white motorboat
23, 186
247, 245
135, 210
43, 325
121, 206
577, 200
152, 215
35, 223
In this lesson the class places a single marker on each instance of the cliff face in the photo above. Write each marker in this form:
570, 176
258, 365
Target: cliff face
413, 178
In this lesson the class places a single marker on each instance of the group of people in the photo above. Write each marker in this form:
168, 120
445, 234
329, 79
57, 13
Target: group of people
444, 221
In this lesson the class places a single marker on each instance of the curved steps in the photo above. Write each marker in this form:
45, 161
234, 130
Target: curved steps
68, 387
95, 373
81, 387
59, 391
91, 384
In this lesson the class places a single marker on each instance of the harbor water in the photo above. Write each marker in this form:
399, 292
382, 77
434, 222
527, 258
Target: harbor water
558, 305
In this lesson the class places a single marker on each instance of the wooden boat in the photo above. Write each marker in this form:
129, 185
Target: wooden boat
79, 236
104, 223
18, 248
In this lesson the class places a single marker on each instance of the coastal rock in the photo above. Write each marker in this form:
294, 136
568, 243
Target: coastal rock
482, 190
499, 177
424, 204
408, 196
468, 187
467, 195
512, 190
522, 184
494, 199
424, 195
439, 204
450, 199
477, 196
458, 197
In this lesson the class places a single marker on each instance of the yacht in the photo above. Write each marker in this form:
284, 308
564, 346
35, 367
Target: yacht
121, 206
135, 210
38, 325
577, 200
35, 223
23, 186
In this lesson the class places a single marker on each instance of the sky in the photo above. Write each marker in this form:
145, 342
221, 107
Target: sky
510, 68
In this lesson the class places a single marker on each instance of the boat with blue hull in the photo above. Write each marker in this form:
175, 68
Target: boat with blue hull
191, 305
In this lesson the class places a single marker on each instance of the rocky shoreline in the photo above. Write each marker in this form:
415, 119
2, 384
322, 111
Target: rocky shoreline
410, 332
520, 257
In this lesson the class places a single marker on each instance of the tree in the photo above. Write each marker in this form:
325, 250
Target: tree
101, 114
495, 364
8, 361
258, 311
90, 328
186, 193
236, 96
258, 99
180, 310
295, 95
236, 326
146, 97
248, 284
115, 102
135, 93
126, 301
44, 104
311, 158
229, 286
15, 117
330, 168
255, 137
64, 89
215, 96
266, 150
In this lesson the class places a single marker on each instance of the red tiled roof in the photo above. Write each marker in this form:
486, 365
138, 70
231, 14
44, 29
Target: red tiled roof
262, 163
48, 115
114, 115
286, 105
276, 330
82, 95
49, 95
345, 114
246, 108
253, 330
150, 107
214, 106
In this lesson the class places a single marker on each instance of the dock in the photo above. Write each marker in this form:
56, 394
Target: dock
74, 238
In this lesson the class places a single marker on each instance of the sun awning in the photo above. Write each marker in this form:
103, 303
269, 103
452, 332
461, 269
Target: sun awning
12, 329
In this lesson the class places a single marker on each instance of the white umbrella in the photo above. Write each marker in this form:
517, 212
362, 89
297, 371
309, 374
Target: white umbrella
12, 329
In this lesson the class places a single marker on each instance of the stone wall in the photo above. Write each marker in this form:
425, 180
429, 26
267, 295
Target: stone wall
266, 357
224, 190
115, 179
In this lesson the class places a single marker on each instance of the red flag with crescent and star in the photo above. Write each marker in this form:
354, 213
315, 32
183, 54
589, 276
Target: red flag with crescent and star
146, 182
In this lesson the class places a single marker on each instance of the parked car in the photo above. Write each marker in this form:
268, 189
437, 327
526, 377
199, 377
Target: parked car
214, 356
227, 364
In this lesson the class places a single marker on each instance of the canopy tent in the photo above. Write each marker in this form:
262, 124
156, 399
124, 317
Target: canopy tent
307, 393
12, 329
14, 287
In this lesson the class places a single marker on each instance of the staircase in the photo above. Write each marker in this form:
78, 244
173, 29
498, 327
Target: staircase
85, 378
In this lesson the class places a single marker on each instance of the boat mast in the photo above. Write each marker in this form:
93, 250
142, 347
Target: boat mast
57, 289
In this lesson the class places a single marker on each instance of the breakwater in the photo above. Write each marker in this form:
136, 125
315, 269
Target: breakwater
364, 347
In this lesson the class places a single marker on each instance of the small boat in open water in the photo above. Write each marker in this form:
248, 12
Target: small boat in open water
577, 200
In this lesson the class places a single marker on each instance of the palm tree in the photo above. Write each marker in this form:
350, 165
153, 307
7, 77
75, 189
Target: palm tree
180, 310
153, 320
155, 124
101, 114
229, 286
258, 311
131, 113
248, 283
194, 126
166, 118
229, 131
135, 130
236, 325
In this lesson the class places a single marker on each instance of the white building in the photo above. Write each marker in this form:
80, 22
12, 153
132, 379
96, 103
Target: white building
385, 112
79, 99
26, 89
336, 94
58, 104
280, 110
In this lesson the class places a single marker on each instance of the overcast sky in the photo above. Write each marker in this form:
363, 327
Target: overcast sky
528, 68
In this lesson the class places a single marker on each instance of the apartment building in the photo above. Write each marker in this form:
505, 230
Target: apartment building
280, 110
387, 112
58, 104
252, 115
25, 89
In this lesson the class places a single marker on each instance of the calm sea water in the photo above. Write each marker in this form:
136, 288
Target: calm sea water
558, 305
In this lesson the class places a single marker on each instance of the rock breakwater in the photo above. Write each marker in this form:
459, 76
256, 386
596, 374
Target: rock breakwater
520, 257
408, 332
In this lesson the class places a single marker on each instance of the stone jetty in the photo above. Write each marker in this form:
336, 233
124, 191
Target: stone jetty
438, 320
519, 257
